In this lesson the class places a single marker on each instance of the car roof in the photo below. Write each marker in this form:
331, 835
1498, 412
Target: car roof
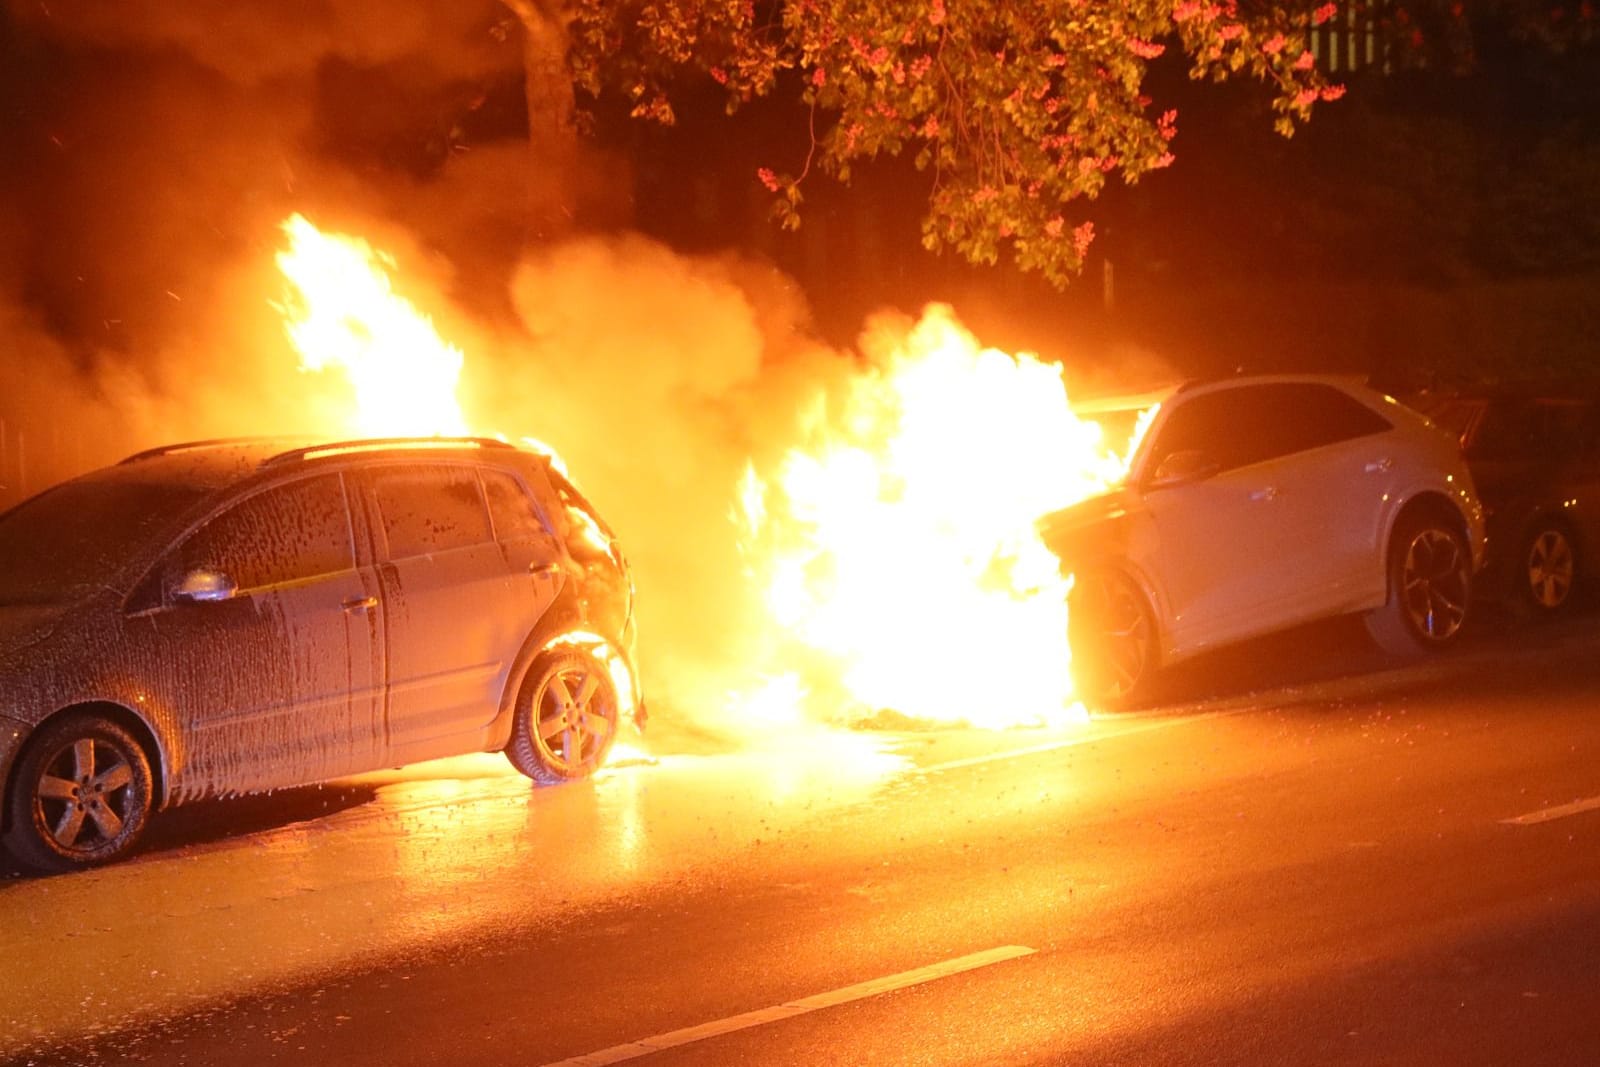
216, 464
1576, 392
1341, 381
1113, 402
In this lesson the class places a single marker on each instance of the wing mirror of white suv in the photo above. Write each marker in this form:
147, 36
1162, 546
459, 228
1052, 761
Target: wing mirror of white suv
203, 585
1183, 467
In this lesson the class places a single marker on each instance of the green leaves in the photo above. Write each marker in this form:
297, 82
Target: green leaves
1018, 110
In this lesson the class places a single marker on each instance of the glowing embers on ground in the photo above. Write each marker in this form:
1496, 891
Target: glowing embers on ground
897, 547
342, 314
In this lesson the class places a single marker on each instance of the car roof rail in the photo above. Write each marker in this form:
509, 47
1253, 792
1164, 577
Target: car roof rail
210, 442
374, 444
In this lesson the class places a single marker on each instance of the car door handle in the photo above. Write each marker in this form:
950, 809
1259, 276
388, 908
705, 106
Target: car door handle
1269, 493
360, 603
543, 570
1379, 466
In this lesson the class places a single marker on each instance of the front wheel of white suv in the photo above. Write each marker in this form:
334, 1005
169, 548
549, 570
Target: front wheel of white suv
1430, 583
1112, 637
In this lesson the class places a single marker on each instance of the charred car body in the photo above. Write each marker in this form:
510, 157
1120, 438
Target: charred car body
1255, 504
229, 617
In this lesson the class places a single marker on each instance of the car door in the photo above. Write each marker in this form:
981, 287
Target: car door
455, 608
524, 532
1265, 529
269, 666
1330, 488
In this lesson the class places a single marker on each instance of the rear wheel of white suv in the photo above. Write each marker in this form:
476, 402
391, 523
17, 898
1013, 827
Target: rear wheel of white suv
1430, 583
1113, 638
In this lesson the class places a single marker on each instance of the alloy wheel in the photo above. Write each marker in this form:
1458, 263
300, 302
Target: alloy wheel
1113, 637
1434, 583
1551, 568
577, 716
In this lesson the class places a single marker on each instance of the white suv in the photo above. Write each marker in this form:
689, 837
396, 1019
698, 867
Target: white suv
1254, 504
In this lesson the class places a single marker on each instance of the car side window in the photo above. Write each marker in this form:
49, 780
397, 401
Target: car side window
430, 509
1588, 433
513, 511
1251, 424
1528, 431
1313, 415
1228, 427
289, 533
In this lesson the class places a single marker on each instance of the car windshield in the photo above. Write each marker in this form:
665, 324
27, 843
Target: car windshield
70, 539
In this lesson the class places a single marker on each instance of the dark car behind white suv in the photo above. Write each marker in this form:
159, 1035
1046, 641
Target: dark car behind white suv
228, 617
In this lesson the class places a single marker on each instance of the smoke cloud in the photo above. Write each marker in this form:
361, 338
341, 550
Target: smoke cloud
659, 377
161, 143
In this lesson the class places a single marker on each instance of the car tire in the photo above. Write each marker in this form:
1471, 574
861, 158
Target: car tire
80, 796
566, 718
1429, 570
1113, 638
1546, 570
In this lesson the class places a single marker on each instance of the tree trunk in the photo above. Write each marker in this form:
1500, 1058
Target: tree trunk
552, 126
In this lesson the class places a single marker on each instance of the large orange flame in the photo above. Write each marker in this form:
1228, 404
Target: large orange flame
895, 549
898, 547
343, 315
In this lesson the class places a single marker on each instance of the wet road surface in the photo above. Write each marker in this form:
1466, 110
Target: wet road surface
1298, 865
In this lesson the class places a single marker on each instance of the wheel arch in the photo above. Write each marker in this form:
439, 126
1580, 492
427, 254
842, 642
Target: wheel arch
1428, 504
1154, 601
120, 714
564, 620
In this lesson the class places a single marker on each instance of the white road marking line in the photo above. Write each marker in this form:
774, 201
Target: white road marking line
860, 991
1561, 811
1073, 742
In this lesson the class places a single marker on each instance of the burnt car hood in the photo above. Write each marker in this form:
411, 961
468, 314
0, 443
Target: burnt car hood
1089, 526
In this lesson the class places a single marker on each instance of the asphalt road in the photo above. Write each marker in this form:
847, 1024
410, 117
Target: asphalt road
1301, 856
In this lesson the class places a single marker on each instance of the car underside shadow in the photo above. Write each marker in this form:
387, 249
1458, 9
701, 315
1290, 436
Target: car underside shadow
1339, 650
1320, 651
207, 822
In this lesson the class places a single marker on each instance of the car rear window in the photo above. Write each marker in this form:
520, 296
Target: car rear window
1528, 430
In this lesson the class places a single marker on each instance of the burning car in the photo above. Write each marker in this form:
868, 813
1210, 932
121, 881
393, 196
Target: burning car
1254, 504
229, 617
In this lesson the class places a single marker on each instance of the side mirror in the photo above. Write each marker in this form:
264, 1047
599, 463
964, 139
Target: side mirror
203, 585
1183, 467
